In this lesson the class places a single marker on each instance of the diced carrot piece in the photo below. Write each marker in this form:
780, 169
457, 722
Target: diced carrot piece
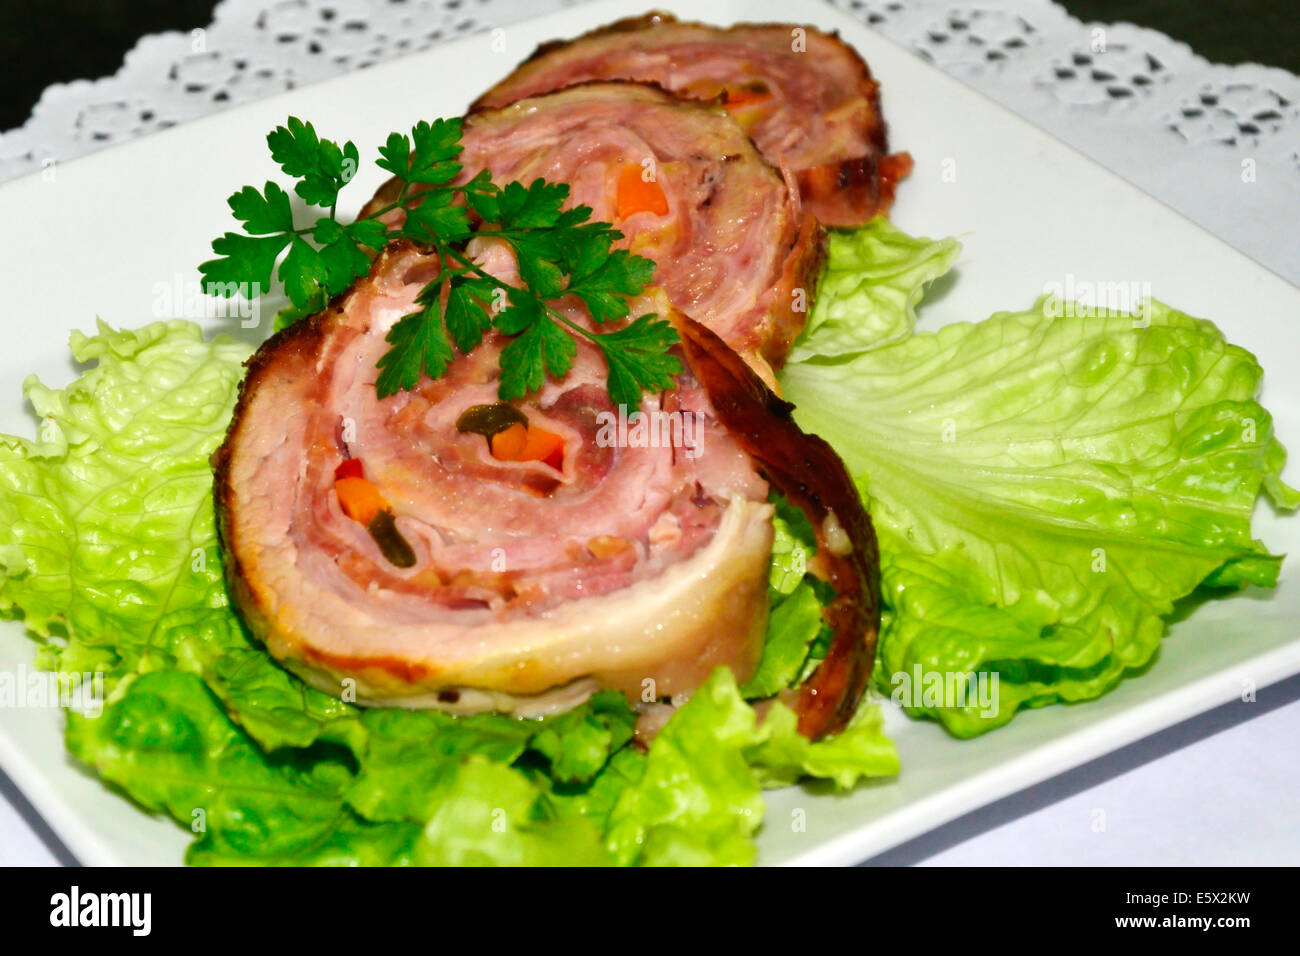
528, 443
636, 195
351, 468
360, 499
507, 444
543, 446
742, 97
608, 546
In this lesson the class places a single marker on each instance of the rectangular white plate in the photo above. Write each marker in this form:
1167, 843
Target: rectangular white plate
97, 240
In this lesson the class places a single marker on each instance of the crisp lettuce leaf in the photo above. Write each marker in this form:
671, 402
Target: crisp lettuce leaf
350, 842
579, 742
793, 545
106, 519
593, 799
868, 293
791, 628
409, 755
275, 707
491, 814
1045, 488
165, 740
781, 755
794, 627
699, 799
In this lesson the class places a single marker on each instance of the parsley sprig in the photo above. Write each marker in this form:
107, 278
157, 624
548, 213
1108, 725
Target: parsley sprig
560, 252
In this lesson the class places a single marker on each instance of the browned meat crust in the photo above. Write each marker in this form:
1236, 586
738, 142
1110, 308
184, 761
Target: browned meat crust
811, 475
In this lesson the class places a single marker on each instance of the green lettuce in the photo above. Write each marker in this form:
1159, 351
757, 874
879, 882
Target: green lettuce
699, 798
794, 623
578, 743
793, 545
165, 739
491, 814
108, 551
795, 601
867, 297
1045, 487
106, 518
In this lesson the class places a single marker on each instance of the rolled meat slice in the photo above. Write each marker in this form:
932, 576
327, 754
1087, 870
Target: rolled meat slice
805, 96
437, 548
734, 248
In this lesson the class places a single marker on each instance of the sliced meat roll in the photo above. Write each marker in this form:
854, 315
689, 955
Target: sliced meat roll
806, 97
438, 549
733, 246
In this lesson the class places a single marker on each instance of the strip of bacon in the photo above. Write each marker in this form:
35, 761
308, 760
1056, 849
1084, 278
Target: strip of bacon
811, 475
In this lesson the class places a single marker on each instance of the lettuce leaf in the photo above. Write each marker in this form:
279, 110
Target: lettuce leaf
106, 518
409, 755
1045, 486
592, 799
165, 740
276, 708
792, 626
795, 599
491, 814
699, 799
793, 545
867, 297
579, 742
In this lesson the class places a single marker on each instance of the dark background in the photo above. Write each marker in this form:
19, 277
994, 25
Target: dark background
60, 40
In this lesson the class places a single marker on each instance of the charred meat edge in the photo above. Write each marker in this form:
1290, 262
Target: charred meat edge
811, 476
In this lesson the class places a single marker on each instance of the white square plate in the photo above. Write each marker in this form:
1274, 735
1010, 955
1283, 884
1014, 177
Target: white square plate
99, 237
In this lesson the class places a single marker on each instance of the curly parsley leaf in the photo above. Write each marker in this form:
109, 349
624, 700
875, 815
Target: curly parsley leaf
639, 359
419, 345
560, 252
321, 166
468, 304
542, 348
244, 264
